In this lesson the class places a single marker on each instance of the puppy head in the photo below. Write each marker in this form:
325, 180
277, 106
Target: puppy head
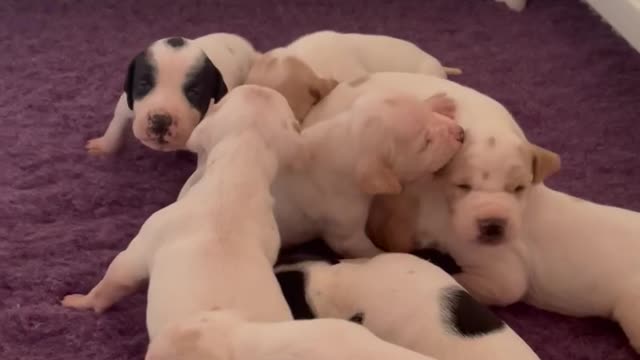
252, 107
402, 138
169, 87
487, 183
206, 336
294, 79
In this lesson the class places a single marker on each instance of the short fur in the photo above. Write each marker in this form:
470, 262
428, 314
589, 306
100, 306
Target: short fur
379, 145
310, 67
223, 335
170, 86
550, 241
408, 302
217, 252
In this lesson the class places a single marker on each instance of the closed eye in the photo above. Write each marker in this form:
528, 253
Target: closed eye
464, 187
518, 189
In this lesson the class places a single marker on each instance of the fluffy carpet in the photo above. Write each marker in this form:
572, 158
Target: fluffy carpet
571, 82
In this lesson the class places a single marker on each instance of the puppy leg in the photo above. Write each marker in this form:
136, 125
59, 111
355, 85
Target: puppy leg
627, 314
195, 176
113, 136
123, 276
499, 288
353, 245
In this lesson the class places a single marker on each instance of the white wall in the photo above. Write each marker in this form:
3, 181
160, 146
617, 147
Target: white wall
624, 17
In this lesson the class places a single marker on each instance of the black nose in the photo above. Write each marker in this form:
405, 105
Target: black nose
159, 124
491, 230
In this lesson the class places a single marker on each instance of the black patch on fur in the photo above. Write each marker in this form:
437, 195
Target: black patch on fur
176, 42
140, 79
357, 318
204, 82
294, 289
439, 259
465, 316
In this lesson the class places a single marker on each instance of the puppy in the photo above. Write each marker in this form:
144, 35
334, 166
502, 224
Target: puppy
404, 300
218, 251
383, 142
169, 87
225, 335
515, 5
310, 67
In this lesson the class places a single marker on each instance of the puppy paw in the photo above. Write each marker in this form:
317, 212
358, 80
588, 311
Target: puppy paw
81, 302
442, 104
99, 146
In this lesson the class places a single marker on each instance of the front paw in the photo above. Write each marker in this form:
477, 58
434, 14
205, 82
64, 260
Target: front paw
100, 146
81, 302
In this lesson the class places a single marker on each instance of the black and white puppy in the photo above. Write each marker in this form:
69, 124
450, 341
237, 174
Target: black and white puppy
403, 300
169, 87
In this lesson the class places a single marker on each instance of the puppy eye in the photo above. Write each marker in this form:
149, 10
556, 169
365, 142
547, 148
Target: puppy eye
193, 91
518, 189
464, 187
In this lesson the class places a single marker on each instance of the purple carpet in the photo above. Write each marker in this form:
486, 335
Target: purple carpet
570, 81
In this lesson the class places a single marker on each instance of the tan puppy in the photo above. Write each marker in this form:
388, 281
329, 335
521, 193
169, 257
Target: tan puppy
224, 335
310, 67
404, 300
216, 245
169, 87
380, 144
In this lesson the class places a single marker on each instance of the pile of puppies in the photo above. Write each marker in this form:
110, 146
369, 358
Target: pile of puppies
360, 140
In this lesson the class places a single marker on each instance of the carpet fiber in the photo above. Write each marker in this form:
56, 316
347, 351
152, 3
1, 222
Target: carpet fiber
568, 79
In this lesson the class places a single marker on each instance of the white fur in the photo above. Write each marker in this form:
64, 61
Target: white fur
231, 54
402, 299
562, 253
222, 335
346, 56
215, 246
515, 5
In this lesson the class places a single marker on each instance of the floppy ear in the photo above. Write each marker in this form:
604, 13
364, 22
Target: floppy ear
322, 88
544, 163
128, 82
375, 177
219, 89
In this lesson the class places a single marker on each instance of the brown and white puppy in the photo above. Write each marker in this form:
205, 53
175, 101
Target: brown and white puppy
215, 246
404, 300
310, 67
225, 335
169, 87
379, 145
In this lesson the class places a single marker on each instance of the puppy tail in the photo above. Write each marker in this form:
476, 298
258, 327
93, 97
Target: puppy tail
452, 70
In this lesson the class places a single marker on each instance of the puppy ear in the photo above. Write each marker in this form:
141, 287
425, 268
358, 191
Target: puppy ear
219, 86
322, 88
544, 163
128, 82
374, 177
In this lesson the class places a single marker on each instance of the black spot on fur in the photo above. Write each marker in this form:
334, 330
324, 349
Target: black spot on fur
439, 259
176, 42
140, 79
204, 82
465, 316
357, 318
293, 285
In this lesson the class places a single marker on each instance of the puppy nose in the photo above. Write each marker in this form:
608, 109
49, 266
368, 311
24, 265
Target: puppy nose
159, 124
491, 230
458, 134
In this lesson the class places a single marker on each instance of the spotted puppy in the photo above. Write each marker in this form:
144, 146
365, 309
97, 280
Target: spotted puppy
310, 67
382, 143
225, 335
404, 300
219, 252
169, 87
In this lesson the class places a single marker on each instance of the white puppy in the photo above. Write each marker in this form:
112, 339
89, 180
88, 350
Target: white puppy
169, 87
403, 300
216, 245
380, 144
224, 335
308, 68
514, 238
